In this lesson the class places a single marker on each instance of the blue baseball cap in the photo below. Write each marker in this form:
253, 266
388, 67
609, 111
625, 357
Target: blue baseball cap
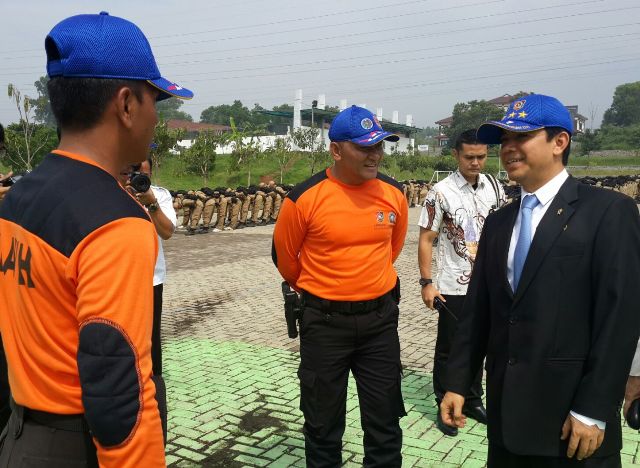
104, 46
360, 126
527, 114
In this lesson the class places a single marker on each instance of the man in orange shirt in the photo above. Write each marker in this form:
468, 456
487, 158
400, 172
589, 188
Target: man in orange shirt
335, 241
77, 254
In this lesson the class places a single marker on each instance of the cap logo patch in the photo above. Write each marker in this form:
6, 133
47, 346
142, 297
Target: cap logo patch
519, 104
174, 87
380, 216
366, 123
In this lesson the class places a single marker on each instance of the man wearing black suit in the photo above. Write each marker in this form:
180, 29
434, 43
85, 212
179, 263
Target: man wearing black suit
551, 304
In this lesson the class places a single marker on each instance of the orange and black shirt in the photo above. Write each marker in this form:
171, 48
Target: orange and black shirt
339, 241
77, 255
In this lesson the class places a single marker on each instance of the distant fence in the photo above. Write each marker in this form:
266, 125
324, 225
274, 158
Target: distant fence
608, 168
437, 174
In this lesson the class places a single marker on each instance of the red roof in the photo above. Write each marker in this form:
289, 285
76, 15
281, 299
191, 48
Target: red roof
445, 121
196, 126
503, 100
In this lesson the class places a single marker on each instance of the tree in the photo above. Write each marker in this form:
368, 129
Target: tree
306, 138
169, 109
27, 142
281, 150
246, 147
200, 158
44, 139
589, 141
41, 104
625, 109
468, 115
621, 138
164, 140
259, 119
223, 113
283, 108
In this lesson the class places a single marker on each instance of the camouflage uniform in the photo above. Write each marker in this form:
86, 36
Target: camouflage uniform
258, 206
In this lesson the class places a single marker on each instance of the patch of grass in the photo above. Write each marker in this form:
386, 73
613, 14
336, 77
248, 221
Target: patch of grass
172, 174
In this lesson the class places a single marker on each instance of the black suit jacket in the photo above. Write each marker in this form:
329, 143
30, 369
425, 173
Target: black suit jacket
566, 338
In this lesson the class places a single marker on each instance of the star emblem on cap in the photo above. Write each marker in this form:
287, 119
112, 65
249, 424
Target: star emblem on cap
522, 114
512, 115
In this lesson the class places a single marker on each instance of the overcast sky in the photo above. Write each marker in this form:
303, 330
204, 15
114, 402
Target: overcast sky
419, 57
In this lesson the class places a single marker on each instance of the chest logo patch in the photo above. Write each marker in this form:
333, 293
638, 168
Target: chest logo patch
392, 218
380, 216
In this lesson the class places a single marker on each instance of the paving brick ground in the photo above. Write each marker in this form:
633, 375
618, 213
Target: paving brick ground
231, 369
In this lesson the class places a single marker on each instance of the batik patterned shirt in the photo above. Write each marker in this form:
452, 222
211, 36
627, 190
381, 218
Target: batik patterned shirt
457, 211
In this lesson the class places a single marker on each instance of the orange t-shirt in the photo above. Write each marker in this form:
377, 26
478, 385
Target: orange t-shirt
77, 255
339, 241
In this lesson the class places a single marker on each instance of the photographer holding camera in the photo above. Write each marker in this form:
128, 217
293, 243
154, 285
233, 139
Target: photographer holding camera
159, 205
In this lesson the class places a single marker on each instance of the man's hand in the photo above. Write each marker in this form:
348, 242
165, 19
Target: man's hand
631, 392
451, 410
582, 438
429, 292
145, 198
4, 190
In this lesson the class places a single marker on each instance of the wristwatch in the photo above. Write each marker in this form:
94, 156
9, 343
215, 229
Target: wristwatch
152, 207
424, 281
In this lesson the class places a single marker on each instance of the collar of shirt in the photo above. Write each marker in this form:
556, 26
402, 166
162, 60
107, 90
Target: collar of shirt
461, 181
548, 191
545, 194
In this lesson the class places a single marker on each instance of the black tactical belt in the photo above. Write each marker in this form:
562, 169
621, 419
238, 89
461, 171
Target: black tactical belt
63, 422
344, 307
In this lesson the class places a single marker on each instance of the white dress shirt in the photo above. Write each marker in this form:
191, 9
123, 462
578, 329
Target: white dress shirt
165, 202
545, 195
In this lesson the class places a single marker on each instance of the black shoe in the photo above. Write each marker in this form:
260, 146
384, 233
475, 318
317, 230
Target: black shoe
190, 232
203, 230
476, 412
446, 430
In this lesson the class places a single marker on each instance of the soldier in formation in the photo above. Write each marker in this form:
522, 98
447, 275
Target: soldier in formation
233, 208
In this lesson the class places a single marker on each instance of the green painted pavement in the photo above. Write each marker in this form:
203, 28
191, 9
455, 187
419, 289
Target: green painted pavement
233, 404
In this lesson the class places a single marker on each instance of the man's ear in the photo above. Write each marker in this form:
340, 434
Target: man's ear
126, 106
335, 149
561, 141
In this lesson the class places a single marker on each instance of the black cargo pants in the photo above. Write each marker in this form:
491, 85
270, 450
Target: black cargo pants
332, 343
447, 326
44, 440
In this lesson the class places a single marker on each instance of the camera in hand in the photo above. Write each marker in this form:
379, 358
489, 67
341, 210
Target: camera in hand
9, 181
139, 181
633, 415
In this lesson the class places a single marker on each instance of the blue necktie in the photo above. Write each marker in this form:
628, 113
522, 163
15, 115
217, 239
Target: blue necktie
524, 238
